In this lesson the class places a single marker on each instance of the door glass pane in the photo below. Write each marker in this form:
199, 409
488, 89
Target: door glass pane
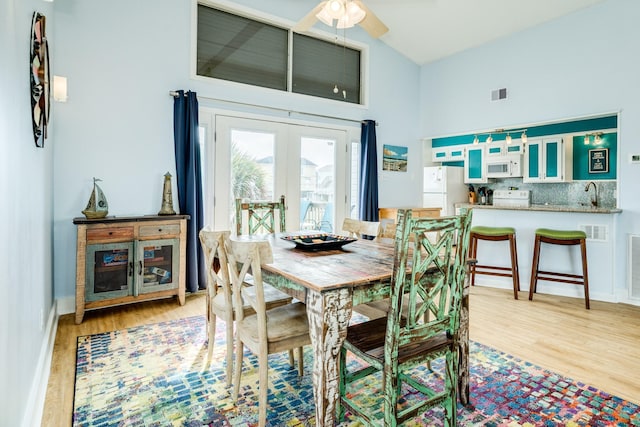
317, 184
110, 270
158, 265
252, 166
354, 188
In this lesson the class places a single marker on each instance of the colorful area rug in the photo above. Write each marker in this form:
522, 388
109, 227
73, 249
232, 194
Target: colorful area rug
154, 375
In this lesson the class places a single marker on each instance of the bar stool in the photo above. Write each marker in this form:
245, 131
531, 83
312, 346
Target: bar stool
494, 234
559, 237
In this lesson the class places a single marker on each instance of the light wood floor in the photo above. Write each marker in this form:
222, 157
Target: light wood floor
600, 347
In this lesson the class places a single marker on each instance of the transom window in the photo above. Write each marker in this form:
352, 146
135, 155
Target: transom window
244, 50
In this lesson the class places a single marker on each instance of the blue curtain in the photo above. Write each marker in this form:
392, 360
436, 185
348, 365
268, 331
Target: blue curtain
368, 172
189, 182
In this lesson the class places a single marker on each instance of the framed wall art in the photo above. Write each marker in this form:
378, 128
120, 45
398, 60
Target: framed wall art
599, 160
40, 87
394, 158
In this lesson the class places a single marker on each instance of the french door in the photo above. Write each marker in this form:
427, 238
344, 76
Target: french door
261, 159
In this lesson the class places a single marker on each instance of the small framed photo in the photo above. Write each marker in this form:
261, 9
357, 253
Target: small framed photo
599, 160
394, 158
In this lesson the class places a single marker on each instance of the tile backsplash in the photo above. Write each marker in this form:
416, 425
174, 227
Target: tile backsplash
565, 193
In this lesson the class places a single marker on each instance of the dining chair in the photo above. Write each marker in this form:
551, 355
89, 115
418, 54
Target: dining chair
358, 228
220, 295
433, 272
267, 331
261, 216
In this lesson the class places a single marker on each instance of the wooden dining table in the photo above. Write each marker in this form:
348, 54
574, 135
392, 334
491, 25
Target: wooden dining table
331, 283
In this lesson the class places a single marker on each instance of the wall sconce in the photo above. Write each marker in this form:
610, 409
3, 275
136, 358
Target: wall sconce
60, 88
597, 138
508, 138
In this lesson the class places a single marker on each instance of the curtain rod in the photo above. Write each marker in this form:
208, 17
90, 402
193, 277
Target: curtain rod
174, 94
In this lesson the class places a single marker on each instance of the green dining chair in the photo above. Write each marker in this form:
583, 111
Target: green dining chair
428, 279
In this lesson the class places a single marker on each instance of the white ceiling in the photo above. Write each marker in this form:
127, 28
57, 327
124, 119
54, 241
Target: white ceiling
428, 30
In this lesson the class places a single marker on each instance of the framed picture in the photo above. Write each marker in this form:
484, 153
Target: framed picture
599, 160
394, 158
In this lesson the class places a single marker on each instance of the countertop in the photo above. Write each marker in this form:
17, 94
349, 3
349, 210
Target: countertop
546, 208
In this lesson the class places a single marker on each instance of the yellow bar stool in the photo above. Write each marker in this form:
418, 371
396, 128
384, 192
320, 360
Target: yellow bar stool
494, 234
559, 237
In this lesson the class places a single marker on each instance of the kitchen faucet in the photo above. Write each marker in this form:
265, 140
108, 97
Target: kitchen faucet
594, 199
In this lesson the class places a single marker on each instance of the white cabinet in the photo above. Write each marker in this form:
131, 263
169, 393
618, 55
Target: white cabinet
452, 153
501, 148
475, 165
548, 159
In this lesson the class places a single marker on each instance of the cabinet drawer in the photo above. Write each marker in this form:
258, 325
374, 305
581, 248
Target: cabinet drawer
111, 234
159, 230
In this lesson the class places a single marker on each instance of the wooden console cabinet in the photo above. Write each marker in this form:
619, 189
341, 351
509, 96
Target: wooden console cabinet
392, 213
123, 260
388, 218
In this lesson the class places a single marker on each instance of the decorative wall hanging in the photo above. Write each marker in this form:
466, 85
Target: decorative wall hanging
394, 158
599, 160
39, 70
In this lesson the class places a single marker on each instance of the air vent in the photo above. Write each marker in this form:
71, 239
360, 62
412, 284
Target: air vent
634, 265
598, 233
499, 94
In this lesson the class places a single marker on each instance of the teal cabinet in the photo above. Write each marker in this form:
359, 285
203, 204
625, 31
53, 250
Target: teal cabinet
547, 160
475, 167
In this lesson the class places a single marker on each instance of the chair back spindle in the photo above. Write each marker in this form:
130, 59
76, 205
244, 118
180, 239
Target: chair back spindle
261, 217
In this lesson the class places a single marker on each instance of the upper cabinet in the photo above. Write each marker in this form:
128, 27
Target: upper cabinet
475, 165
452, 153
547, 159
503, 148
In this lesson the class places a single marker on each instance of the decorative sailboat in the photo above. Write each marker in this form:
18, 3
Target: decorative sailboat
97, 207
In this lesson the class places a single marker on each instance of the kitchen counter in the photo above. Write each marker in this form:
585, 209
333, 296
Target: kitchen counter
545, 208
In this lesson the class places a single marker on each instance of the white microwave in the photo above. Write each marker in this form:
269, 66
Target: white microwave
506, 166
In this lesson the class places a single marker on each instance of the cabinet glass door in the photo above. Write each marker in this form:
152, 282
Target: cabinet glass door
158, 264
109, 271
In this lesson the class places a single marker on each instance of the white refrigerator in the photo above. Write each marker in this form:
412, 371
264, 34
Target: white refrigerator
442, 187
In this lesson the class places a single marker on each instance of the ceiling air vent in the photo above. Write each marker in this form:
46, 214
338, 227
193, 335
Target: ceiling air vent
598, 233
499, 94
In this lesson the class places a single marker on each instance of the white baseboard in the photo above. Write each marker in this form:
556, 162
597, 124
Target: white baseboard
37, 395
66, 305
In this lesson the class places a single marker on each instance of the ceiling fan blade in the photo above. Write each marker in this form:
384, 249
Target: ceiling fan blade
309, 19
374, 26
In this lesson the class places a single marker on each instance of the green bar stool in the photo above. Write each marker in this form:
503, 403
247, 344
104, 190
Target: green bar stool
559, 237
494, 234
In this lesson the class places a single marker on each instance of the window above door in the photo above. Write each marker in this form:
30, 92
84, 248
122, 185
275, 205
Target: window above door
242, 49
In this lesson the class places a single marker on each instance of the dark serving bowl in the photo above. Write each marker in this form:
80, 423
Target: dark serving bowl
318, 241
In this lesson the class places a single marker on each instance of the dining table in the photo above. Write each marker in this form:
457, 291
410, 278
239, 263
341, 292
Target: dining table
331, 282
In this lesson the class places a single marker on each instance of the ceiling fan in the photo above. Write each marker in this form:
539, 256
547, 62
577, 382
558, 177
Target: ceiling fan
346, 13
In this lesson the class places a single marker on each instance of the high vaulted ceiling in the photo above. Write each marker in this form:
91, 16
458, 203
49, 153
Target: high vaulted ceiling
428, 30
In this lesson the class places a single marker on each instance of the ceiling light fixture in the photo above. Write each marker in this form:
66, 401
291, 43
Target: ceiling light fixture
498, 132
346, 13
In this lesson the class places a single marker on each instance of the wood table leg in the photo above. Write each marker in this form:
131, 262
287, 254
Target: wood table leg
329, 315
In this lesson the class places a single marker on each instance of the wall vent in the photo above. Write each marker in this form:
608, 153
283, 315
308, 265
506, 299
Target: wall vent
634, 265
499, 94
599, 233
